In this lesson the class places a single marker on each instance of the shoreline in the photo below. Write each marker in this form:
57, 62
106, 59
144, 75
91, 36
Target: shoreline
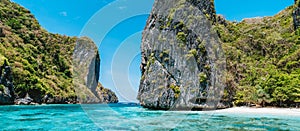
261, 111
254, 111
138, 104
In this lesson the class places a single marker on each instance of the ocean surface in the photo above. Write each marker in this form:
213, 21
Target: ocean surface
132, 117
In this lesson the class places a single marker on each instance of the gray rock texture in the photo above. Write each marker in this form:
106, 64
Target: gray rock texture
7, 93
2, 32
27, 100
86, 63
182, 59
296, 14
106, 95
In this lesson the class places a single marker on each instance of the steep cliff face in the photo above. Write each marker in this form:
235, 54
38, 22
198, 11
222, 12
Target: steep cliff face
182, 59
85, 63
86, 67
183, 64
41, 63
7, 93
296, 14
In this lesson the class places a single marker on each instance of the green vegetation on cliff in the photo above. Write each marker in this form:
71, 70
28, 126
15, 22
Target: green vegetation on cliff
263, 59
41, 62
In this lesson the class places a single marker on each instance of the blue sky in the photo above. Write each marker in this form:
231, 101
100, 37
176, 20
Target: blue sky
116, 26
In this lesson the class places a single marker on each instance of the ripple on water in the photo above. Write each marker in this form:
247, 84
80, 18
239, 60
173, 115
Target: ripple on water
34, 114
120, 117
31, 119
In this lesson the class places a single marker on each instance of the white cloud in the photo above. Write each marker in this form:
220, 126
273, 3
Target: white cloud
63, 13
122, 7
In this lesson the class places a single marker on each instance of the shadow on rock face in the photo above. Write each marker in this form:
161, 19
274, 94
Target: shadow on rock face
182, 58
86, 63
7, 93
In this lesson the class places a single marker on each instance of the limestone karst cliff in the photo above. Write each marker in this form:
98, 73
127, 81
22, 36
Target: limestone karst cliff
193, 59
86, 67
296, 14
42, 64
182, 59
7, 93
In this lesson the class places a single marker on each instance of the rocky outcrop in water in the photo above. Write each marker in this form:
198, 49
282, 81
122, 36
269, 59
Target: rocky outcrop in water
182, 59
27, 100
106, 95
7, 93
86, 63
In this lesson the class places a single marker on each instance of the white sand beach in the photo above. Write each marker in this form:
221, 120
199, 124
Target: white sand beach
265, 111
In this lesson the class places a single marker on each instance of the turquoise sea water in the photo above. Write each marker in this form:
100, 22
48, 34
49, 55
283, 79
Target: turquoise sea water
127, 117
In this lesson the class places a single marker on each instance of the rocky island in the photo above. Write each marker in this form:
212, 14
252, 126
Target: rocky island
194, 59
41, 67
